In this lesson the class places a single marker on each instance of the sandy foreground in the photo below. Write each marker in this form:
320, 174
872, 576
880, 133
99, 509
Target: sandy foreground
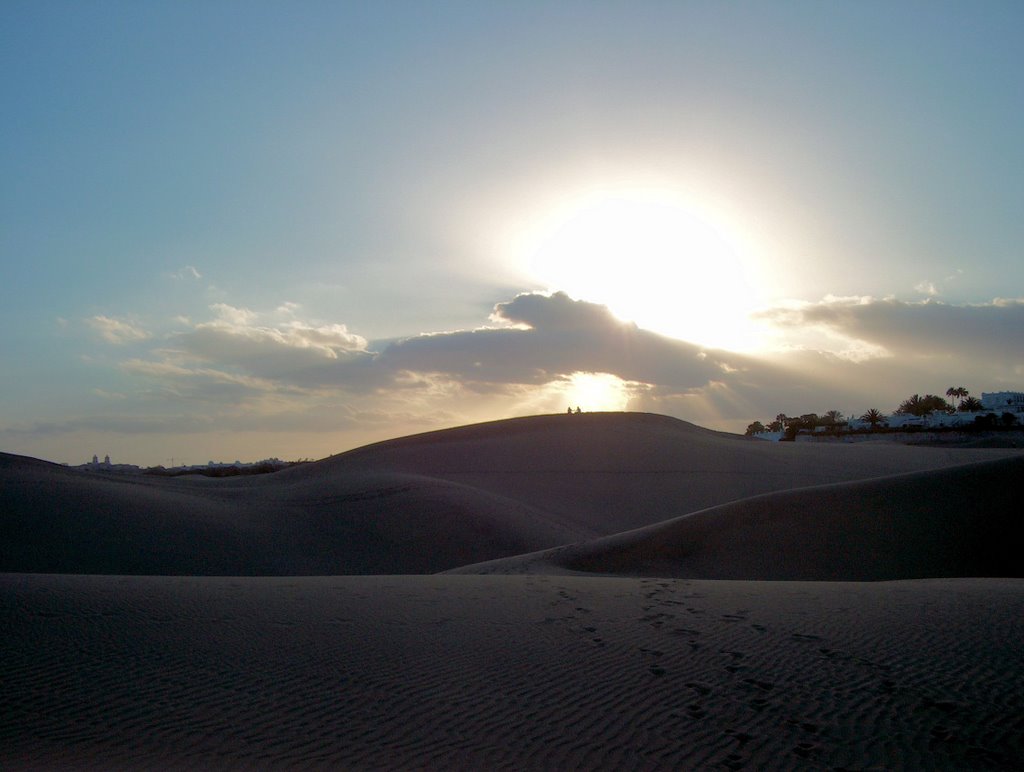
513, 672
613, 599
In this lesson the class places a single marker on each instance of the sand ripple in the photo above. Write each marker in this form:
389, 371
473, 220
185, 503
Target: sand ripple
509, 672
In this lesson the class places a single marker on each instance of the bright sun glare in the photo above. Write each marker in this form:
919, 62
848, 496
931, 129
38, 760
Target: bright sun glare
653, 259
596, 392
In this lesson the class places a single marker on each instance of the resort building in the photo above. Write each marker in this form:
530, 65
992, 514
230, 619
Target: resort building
1000, 402
994, 404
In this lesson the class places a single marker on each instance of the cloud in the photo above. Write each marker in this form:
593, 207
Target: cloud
552, 336
540, 311
104, 394
236, 352
295, 352
232, 315
117, 330
279, 372
189, 272
969, 333
197, 382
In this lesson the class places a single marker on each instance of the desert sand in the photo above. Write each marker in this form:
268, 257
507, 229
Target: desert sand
621, 591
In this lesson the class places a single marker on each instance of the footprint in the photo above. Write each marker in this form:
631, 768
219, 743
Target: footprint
655, 670
943, 706
764, 686
942, 734
804, 750
655, 617
733, 761
701, 689
807, 726
741, 737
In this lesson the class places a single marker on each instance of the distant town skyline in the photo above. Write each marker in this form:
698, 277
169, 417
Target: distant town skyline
252, 230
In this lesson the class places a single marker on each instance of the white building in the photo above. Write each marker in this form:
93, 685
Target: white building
1000, 402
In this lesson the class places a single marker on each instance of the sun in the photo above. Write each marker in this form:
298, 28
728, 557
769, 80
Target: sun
652, 258
595, 392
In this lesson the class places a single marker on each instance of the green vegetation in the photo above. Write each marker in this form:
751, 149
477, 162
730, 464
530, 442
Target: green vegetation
833, 421
971, 405
874, 417
226, 470
922, 406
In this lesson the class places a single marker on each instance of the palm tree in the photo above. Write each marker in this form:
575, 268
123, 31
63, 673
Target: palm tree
922, 406
873, 417
971, 405
957, 391
910, 406
834, 416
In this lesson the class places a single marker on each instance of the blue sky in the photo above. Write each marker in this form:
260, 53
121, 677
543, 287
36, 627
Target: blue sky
252, 229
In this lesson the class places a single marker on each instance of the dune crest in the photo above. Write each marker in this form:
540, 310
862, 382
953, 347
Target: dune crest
959, 522
419, 504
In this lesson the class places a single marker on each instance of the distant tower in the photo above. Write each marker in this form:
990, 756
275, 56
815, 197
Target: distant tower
95, 460
106, 461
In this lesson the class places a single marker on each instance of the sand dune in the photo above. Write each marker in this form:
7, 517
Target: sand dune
509, 672
249, 664
66, 521
961, 521
610, 472
418, 504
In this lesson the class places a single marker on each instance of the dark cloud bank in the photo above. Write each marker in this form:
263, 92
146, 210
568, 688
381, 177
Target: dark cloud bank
237, 367
537, 339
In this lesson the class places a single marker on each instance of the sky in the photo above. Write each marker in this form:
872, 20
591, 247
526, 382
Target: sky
238, 230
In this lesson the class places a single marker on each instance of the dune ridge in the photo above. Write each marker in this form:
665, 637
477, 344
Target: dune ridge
960, 521
57, 520
420, 504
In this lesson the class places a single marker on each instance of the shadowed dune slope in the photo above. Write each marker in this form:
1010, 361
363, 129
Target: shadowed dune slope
959, 522
419, 504
601, 473
58, 520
